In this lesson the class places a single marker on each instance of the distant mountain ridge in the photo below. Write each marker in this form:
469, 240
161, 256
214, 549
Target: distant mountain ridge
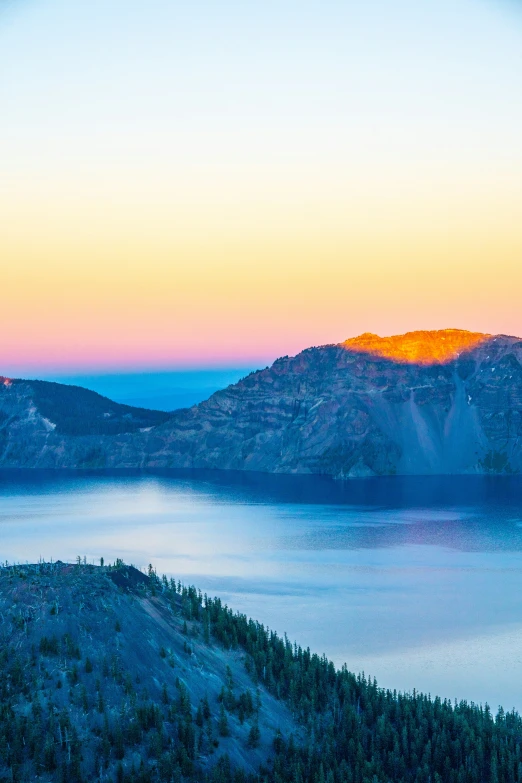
439, 402
46, 423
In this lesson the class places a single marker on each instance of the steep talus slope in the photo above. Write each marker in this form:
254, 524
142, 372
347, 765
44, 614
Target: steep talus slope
346, 410
424, 402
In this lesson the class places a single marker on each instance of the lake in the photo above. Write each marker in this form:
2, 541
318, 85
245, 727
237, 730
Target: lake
416, 581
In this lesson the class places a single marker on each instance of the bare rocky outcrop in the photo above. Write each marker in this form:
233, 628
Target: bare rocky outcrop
421, 403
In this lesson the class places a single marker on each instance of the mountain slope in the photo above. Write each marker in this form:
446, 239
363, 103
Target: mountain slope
421, 403
436, 402
104, 670
110, 675
41, 420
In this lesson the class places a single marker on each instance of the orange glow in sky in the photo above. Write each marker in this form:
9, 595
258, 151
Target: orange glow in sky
175, 193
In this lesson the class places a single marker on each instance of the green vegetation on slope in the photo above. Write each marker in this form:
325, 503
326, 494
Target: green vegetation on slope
74, 706
78, 411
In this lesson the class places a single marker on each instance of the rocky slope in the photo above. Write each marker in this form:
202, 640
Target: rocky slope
421, 403
443, 402
109, 674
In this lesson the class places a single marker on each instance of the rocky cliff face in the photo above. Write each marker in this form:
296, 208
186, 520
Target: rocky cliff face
422, 403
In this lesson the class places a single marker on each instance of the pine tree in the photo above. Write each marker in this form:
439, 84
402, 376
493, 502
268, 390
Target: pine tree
223, 728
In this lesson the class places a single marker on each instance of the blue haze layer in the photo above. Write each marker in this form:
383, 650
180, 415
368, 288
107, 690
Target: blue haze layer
164, 391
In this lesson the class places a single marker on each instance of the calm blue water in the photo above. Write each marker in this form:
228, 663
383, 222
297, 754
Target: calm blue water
417, 581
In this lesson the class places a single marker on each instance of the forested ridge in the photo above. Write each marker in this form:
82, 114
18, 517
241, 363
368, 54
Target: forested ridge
76, 411
73, 706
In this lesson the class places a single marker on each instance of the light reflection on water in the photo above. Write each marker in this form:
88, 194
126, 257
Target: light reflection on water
414, 580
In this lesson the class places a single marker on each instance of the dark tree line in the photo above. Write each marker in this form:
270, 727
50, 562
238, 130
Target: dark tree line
78, 411
352, 730
358, 732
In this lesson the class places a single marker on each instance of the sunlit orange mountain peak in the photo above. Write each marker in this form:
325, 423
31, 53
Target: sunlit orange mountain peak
371, 406
422, 347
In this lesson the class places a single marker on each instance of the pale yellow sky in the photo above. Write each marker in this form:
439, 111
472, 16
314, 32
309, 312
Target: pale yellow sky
181, 188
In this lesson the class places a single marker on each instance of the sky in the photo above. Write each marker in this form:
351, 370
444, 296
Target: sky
205, 185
